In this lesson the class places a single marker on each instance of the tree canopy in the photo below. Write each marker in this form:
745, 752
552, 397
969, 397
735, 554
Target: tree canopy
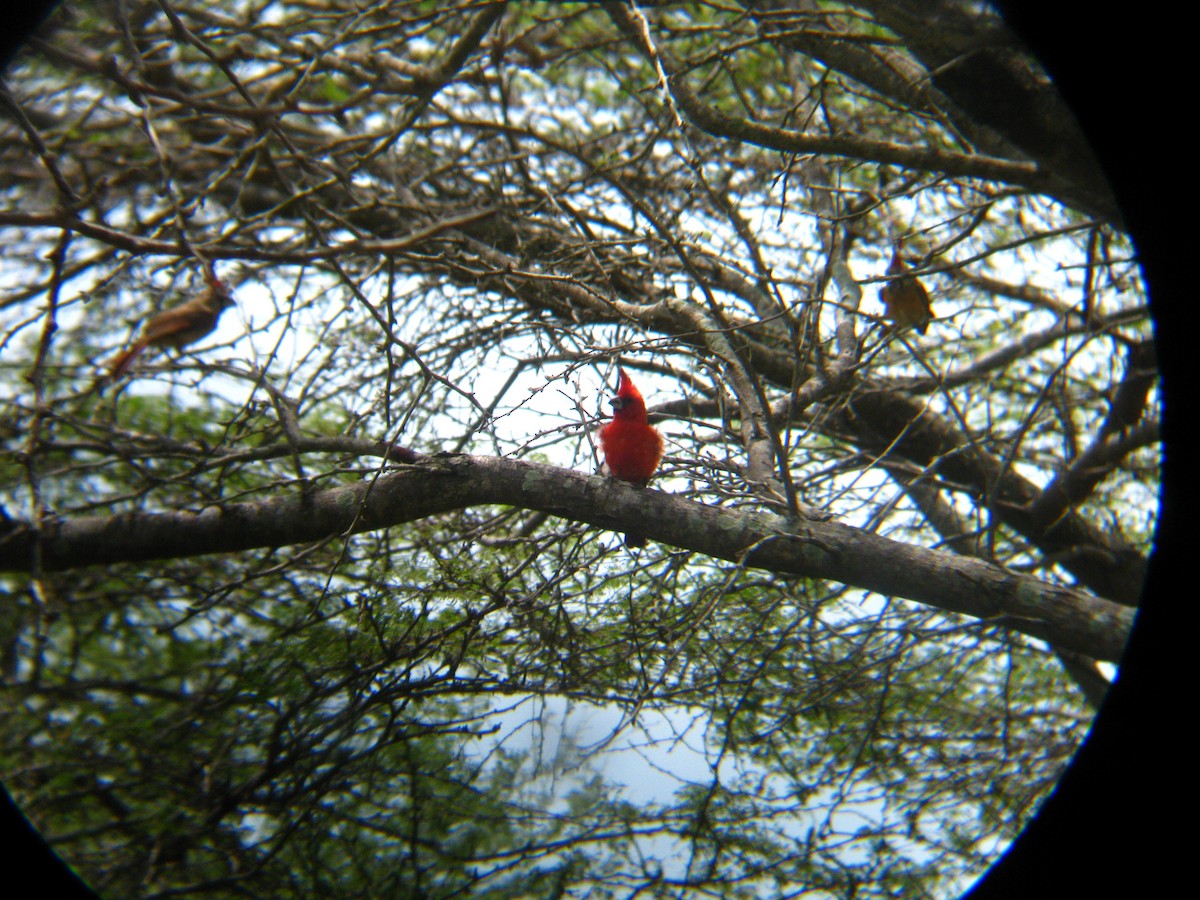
331, 599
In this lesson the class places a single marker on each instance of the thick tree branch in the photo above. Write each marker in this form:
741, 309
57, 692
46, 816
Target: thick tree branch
930, 159
887, 421
977, 62
1076, 483
961, 538
798, 547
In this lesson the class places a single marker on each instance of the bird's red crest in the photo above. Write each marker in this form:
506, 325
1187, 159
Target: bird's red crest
628, 404
626, 388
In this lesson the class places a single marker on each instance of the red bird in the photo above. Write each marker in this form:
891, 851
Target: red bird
632, 449
177, 327
905, 298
